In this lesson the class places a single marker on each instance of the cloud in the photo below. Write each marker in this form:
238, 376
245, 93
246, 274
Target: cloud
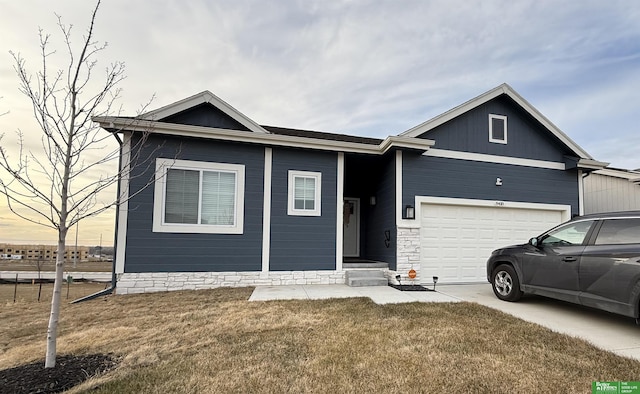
369, 67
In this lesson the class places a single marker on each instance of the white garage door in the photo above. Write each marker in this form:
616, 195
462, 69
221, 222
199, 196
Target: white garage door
457, 240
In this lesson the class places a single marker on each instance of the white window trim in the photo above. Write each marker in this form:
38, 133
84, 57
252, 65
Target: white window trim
495, 140
318, 203
159, 226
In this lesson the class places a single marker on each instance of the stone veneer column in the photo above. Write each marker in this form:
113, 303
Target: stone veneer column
408, 253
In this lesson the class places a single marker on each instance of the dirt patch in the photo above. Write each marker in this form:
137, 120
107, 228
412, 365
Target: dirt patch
69, 371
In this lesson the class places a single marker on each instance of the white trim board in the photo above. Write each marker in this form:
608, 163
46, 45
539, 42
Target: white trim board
116, 124
266, 210
339, 217
563, 208
516, 161
123, 209
201, 98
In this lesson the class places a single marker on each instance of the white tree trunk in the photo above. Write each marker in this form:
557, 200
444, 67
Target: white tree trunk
52, 329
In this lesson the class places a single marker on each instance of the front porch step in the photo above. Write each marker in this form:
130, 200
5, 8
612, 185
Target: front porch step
359, 278
364, 264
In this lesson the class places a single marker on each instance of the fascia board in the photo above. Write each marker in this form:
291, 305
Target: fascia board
453, 113
201, 98
121, 124
591, 164
546, 123
629, 175
405, 142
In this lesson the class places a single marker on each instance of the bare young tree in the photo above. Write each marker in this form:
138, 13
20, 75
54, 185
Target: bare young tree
62, 185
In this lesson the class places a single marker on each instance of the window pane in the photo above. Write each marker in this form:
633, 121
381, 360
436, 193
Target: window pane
571, 234
497, 129
619, 231
304, 193
218, 198
181, 200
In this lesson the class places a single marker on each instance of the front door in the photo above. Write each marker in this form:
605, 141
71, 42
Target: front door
351, 227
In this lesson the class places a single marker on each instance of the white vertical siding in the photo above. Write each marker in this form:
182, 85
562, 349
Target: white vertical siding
603, 193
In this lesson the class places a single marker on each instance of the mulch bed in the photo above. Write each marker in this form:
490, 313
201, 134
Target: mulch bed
410, 287
69, 371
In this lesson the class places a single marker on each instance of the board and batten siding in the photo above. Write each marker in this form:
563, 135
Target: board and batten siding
526, 138
147, 251
303, 242
442, 177
604, 193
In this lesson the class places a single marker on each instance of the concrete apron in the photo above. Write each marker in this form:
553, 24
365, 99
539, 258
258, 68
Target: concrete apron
614, 333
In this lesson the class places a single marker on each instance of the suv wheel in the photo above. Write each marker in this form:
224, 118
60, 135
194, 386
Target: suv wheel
505, 283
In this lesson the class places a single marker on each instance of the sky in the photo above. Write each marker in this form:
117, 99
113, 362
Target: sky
372, 67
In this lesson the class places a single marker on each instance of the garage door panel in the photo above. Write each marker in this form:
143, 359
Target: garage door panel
456, 240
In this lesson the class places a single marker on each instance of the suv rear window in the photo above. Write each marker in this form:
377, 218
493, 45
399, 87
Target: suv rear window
619, 232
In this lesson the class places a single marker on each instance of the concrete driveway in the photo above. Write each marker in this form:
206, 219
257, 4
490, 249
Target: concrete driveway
607, 331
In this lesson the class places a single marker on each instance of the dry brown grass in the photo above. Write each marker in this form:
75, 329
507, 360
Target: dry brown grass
28, 292
215, 341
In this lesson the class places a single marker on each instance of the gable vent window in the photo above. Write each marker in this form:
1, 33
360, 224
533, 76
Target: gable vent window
498, 129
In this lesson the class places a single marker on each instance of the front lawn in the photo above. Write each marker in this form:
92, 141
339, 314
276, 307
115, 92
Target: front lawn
216, 341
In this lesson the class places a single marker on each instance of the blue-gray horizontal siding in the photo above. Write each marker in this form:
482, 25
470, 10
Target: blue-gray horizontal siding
303, 242
382, 216
147, 251
439, 177
526, 137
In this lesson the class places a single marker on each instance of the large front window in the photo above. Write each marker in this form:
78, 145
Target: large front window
198, 197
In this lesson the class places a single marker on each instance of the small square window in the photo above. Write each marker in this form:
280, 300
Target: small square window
304, 193
498, 129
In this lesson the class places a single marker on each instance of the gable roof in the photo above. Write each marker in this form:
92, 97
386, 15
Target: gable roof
490, 95
202, 98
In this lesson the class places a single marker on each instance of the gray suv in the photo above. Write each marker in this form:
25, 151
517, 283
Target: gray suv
592, 260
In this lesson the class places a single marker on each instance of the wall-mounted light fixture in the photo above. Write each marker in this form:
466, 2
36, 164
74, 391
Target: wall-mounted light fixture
409, 212
372, 200
498, 181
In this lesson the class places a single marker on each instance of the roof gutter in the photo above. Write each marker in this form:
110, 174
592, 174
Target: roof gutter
116, 124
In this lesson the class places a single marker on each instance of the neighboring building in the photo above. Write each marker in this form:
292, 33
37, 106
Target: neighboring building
612, 190
41, 252
234, 203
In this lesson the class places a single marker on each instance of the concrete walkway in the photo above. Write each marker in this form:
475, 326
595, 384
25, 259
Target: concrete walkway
379, 294
614, 333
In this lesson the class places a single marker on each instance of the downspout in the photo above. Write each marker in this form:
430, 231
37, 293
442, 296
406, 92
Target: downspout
114, 277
